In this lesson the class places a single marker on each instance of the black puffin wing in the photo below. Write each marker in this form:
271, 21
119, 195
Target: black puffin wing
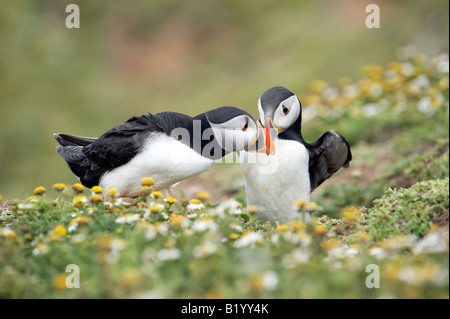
120, 144
326, 156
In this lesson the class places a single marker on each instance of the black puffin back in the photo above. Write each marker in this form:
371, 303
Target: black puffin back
117, 146
120, 144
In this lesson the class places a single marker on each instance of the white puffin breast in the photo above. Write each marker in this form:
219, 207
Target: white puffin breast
275, 182
162, 158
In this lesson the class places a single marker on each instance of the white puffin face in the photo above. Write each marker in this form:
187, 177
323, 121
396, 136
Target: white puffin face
285, 114
235, 134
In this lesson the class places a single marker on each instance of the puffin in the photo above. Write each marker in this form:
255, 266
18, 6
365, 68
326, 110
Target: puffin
167, 147
285, 168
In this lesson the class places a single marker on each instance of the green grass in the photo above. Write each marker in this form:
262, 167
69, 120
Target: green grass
212, 254
408, 210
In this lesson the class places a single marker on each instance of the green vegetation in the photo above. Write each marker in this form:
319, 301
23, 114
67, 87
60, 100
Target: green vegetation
409, 210
169, 249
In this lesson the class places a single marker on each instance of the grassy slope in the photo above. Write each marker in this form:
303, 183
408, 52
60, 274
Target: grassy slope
289, 261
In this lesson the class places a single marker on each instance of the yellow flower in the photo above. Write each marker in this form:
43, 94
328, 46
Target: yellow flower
373, 71
57, 233
1, 198
318, 86
147, 182
397, 242
362, 235
130, 277
157, 194
300, 204
9, 233
59, 187
171, 243
196, 201
263, 281
443, 84
41, 249
350, 214
59, 281
155, 209
39, 190
395, 66
112, 192
32, 199
320, 230
329, 243
311, 206
141, 204
60, 230
203, 195
112, 201
78, 188
175, 219
251, 209
216, 294
298, 225
282, 227
170, 200
312, 99
97, 189
145, 191
234, 236
434, 227
96, 198
142, 224
104, 241
80, 220
79, 201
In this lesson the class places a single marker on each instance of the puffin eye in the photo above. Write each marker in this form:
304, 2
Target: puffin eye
245, 126
285, 110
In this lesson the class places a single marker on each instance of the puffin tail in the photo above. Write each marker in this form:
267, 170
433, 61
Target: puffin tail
72, 140
78, 163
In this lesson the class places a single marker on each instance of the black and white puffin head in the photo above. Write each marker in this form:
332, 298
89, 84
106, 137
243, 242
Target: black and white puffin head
234, 129
279, 109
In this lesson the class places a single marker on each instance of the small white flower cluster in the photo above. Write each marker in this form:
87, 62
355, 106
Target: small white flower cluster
169, 254
248, 239
204, 224
128, 218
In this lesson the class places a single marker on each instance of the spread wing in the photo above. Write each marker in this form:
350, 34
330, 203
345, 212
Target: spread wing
326, 156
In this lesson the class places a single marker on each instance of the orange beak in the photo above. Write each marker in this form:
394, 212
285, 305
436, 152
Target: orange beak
270, 147
263, 143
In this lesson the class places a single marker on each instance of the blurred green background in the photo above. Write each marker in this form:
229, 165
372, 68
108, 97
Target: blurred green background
130, 58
